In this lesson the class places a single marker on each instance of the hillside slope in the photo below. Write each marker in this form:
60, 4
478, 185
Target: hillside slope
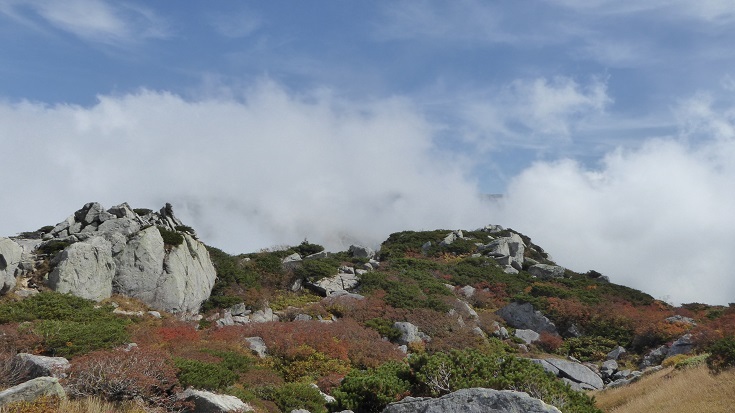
429, 313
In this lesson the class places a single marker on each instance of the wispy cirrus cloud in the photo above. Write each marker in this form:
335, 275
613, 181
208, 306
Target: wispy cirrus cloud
95, 21
534, 112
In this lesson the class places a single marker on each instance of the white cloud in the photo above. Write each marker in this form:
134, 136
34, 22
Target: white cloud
270, 168
465, 21
657, 218
239, 24
535, 112
711, 11
95, 21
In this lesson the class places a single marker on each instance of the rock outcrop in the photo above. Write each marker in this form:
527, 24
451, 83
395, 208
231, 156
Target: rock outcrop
84, 269
10, 256
32, 366
579, 376
208, 402
118, 251
32, 390
523, 316
507, 251
476, 400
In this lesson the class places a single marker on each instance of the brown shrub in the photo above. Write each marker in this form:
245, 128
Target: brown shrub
119, 375
549, 342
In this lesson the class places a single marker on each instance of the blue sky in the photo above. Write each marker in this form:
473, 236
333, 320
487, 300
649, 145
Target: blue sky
608, 125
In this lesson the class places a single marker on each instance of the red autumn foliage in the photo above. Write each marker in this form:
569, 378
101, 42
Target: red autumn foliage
549, 342
345, 340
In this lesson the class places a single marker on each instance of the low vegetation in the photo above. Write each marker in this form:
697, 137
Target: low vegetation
356, 358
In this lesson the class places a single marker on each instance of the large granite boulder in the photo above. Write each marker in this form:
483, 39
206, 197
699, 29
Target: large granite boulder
476, 400
359, 251
546, 271
208, 402
409, 333
523, 316
32, 390
683, 345
84, 269
507, 250
33, 366
578, 375
10, 257
119, 251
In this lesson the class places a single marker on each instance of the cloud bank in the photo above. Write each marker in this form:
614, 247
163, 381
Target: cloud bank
265, 167
658, 217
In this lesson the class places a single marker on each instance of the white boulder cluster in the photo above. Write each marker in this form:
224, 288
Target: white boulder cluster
116, 251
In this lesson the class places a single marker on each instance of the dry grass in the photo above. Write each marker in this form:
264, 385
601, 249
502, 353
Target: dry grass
692, 390
88, 405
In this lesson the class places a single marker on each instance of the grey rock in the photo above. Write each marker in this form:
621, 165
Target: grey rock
208, 402
522, 315
616, 353
303, 317
512, 247
85, 269
34, 366
123, 211
300, 411
683, 345
546, 366
608, 369
346, 269
465, 310
573, 331
491, 228
451, 237
178, 280
139, 266
359, 251
10, 256
32, 390
409, 332
610, 365
476, 400
239, 309
257, 345
154, 314
681, 319
467, 291
340, 282
322, 254
263, 316
528, 336
545, 271
295, 257
499, 331
576, 372
654, 357
123, 226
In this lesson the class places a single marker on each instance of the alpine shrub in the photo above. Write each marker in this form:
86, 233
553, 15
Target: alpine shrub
722, 355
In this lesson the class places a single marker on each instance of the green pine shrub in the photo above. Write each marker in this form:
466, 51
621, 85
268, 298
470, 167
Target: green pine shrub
293, 396
170, 238
368, 391
722, 355
587, 348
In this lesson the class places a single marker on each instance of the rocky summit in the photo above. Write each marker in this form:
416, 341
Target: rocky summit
97, 252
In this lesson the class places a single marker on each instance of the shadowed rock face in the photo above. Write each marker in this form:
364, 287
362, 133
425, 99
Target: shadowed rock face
522, 315
477, 400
